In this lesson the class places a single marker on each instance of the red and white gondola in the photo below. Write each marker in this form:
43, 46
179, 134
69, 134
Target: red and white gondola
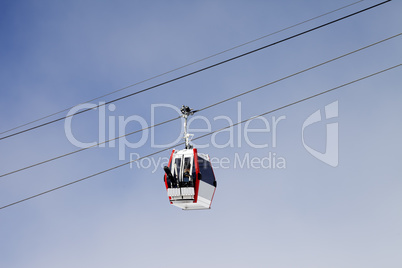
189, 177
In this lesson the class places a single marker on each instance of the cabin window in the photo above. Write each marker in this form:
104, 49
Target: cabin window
206, 171
187, 169
176, 168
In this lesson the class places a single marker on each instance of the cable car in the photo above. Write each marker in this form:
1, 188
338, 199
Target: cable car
189, 178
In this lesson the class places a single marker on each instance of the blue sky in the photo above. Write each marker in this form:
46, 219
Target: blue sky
56, 54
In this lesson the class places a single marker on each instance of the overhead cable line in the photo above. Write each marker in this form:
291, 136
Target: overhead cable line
207, 107
88, 147
202, 136
299, 72
186, 65
197, 71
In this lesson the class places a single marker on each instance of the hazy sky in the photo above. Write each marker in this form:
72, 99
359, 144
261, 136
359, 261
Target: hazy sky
319, 185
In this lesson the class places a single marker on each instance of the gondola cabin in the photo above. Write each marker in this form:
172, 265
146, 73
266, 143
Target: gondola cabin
189, 180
